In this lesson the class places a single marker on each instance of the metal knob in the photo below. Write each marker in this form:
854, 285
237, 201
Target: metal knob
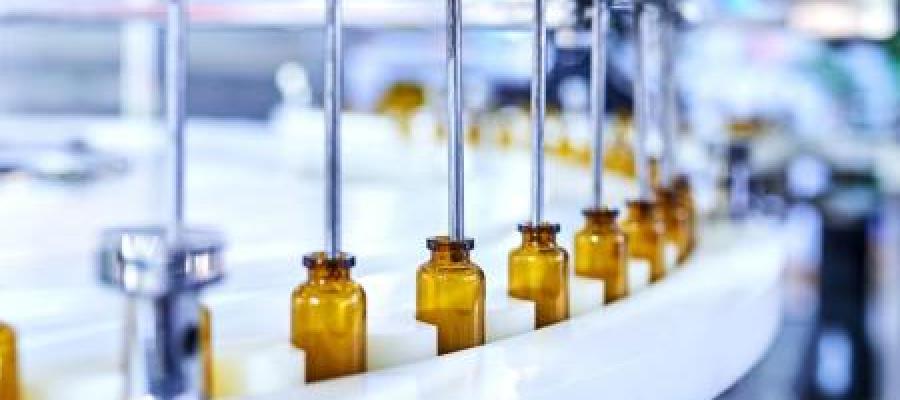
162, 281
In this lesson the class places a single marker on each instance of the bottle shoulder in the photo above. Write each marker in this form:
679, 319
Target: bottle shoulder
343, 289
458, 270
530, 250
6, 332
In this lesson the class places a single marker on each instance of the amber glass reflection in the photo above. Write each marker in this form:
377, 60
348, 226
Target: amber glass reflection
601, 253
450, 292
9, 373
619, 155
328, 318
685, 198
644, 231
539, 272
676, 220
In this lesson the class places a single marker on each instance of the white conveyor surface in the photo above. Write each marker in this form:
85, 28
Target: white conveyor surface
688, 337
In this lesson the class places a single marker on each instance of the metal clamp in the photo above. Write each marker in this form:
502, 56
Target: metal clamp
162, 281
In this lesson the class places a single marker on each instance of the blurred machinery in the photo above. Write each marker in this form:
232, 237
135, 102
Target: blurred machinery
736, 175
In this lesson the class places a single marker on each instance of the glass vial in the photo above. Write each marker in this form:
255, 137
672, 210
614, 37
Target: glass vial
450, 291
676, 221
539, 272
644, 231
401, 102
619, 155
328, 318
601, 252
684, 195
9, 370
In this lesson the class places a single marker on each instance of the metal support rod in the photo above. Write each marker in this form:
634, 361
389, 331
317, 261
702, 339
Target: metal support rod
455, 112
669, 100
333, 94
643, 16
176, 96
538, 110
600, 25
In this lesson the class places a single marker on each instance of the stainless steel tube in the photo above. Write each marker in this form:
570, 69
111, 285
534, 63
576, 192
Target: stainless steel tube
645, 16
538, 110
455, 115
600, 28
333, 96
176, 96
668, 78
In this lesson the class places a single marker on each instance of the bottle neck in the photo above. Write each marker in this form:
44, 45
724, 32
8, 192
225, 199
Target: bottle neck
322, 273
450, 252
665, 196
641, 209
601, 218
448, 255
543, 235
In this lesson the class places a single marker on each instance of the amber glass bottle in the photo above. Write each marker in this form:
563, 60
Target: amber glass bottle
206, 348
644, 231
685, 198
676, 220
539, 272
655, 171
401, 101
328, 318
619, 156
601, 252
9, 372
450, 292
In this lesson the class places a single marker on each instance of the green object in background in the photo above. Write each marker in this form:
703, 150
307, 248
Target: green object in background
893, 47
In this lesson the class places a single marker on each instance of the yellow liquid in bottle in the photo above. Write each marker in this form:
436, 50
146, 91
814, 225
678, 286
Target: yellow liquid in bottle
450, 291
601, 253
685, 198
645, 234
9, 372
539, 272
328, 318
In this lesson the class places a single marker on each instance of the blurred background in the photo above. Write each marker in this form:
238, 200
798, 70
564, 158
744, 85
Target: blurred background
789, 109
